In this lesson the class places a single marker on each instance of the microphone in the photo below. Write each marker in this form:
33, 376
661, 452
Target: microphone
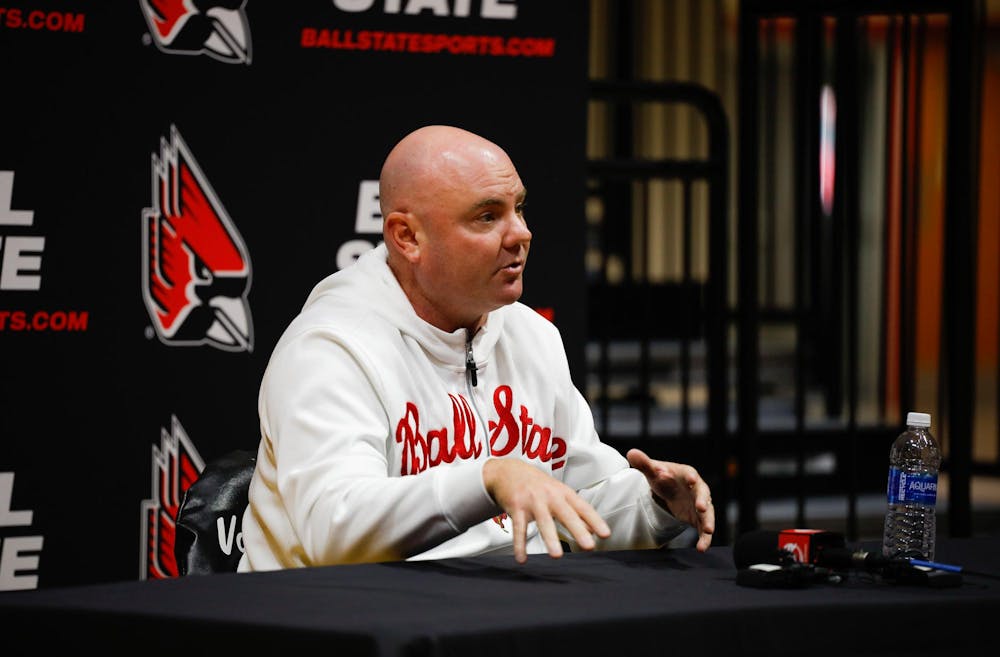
841, 558
782, 548
772, 559
786, 559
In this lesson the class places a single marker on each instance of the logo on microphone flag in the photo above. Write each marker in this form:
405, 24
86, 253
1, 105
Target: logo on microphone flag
802, 543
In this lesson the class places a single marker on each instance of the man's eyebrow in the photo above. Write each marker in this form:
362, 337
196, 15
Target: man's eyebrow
486, 202
491, 201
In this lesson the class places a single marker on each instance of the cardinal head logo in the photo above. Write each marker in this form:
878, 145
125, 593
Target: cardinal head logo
217, 28
195, 266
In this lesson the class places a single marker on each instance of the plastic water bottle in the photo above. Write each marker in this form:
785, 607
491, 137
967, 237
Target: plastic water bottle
914, 459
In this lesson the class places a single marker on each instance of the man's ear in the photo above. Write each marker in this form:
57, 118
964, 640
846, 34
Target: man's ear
400, 233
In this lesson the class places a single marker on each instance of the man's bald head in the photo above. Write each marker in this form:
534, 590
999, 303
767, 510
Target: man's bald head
425, 160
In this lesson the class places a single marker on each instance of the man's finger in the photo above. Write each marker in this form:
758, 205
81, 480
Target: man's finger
520, 529
570, 518
704, 541
663, 476
595, 524
547, 529
706, 525
640, 461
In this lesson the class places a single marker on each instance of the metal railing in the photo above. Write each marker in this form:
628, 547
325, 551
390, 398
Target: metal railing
688, 336
674, 316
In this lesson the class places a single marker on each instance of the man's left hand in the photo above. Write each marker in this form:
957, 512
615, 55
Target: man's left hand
681, 491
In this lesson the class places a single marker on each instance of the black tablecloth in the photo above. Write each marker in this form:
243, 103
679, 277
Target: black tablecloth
617, 603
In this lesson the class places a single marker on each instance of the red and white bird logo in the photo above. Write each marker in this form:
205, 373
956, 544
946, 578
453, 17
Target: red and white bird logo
195, 266
176, 464
217, 28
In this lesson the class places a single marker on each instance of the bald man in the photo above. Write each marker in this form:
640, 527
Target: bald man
415, 409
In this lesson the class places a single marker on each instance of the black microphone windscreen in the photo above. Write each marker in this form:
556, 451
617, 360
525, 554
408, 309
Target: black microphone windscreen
842, 558
839, 558
759, 546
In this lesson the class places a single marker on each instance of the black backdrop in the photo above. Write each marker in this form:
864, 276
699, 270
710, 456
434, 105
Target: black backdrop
105, 418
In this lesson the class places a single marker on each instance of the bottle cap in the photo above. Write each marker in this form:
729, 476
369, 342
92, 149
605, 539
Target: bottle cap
918, 419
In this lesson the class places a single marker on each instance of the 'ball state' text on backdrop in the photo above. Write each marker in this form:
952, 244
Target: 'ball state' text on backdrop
21, 270
501, 9
378, 39
367, 221
21, 262
18, 554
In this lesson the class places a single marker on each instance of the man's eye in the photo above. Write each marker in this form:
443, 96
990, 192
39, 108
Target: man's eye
519, 208
486, 216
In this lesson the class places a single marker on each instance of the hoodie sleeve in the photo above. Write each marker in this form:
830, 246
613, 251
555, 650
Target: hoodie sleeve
620, 493
599, 473
328, 436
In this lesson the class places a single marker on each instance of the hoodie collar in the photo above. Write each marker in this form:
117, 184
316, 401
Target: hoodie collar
370, 281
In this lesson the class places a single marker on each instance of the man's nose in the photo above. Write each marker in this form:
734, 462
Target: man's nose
518, 232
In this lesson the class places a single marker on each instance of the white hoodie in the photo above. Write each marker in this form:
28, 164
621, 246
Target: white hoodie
374, 433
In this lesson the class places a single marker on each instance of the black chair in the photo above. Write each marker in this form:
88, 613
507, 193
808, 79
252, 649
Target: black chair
210, 518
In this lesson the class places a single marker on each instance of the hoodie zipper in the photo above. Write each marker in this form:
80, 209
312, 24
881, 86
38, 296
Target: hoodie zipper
470, 361
471, 380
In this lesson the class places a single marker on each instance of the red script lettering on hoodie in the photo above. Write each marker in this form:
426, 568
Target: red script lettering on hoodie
507, 432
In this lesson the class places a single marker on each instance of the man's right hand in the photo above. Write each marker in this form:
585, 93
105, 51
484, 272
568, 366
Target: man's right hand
526, 493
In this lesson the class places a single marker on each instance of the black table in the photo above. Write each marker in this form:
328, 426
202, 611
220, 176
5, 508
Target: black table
676, 602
